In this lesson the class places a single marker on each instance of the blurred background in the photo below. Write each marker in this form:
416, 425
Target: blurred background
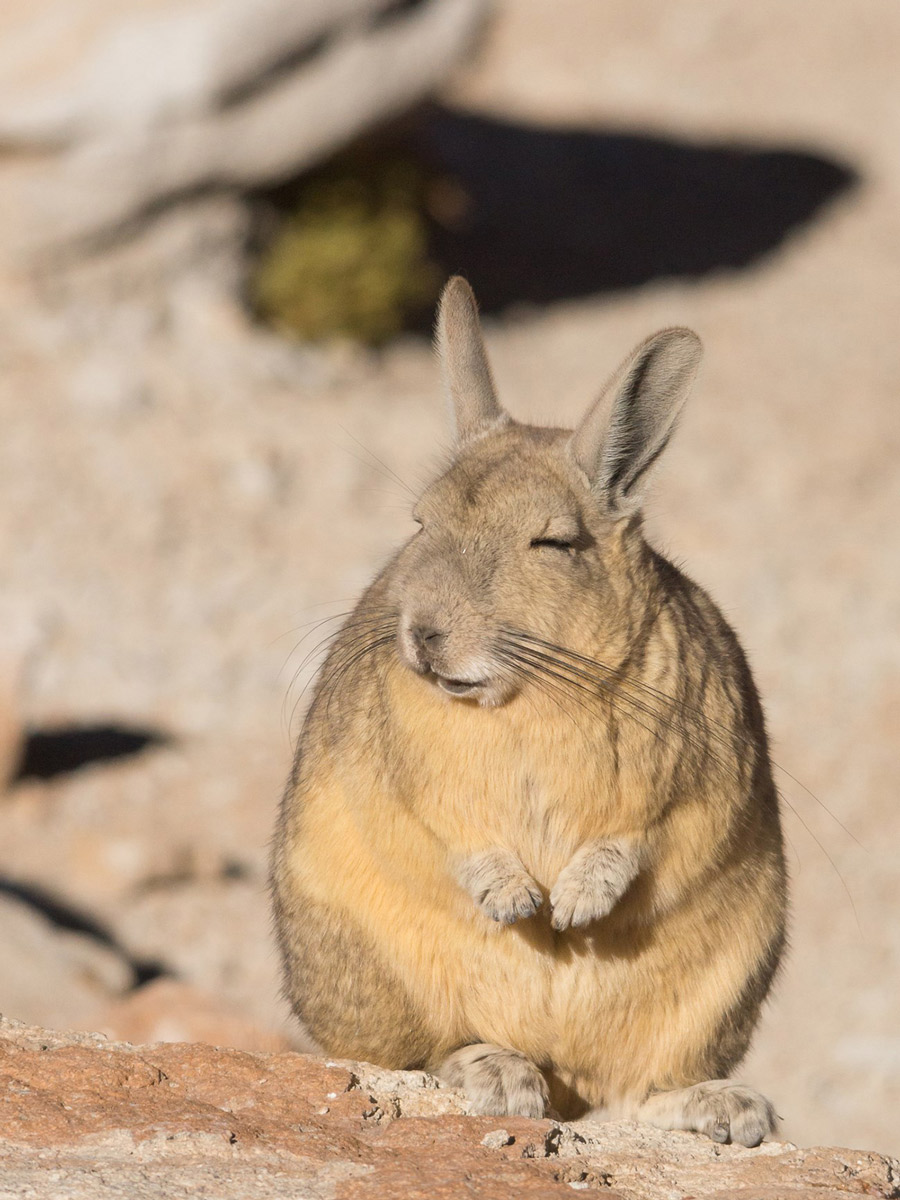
223, 225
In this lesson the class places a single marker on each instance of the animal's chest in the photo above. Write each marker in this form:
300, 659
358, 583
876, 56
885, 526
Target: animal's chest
483, 778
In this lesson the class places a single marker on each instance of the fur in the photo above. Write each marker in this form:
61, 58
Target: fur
532, 817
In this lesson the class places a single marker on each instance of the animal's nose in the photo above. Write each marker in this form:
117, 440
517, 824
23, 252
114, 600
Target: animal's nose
426, 637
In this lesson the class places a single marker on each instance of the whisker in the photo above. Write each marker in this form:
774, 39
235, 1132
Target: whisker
327, 686
320, 646
608, 685
344, 668
366, 627
597, 694
307, 608
391, 472
315, 649
311, 627
541, 683
640, 685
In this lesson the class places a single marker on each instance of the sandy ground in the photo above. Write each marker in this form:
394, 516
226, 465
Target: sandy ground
181, 494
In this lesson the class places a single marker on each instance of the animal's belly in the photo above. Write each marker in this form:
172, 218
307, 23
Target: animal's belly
546, 994
612, 1005
610, 1011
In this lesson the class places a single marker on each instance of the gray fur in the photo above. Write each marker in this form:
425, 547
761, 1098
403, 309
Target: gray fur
723, 1110
497, 1081
624, 774
373, 1018
592, 882
500, 885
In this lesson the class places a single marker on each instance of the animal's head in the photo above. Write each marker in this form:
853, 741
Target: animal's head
524, 531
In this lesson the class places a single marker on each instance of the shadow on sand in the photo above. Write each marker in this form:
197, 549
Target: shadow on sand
555, 213
49, 752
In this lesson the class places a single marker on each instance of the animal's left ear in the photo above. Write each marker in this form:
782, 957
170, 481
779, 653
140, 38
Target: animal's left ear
629, 425
464, 364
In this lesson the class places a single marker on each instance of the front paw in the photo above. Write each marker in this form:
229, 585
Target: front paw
510, 900
500, 886
592, 883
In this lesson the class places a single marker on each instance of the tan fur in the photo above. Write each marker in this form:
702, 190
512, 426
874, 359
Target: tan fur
447, 785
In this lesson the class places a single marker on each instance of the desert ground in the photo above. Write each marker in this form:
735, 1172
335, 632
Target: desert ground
184, 494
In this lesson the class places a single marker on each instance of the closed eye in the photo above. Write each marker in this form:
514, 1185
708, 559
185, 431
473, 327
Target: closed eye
553, 543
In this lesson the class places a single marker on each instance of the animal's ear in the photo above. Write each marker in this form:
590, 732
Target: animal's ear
629, 425
464, 365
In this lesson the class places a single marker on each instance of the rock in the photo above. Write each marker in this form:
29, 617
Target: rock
497, 1138
18, 640
11, 731
215, 935
154, 1121
149, 824
131, 109
52, 974
135, 66
167, 1010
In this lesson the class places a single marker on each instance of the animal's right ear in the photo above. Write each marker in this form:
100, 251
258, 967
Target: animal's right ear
630, 424
464, 366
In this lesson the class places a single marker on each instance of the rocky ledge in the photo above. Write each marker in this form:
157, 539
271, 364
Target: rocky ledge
82, 1117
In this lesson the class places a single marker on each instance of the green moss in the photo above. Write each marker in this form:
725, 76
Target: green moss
351, 258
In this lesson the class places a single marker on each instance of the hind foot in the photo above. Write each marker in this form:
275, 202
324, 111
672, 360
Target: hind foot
500, 886
498, 1082
724, 1111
